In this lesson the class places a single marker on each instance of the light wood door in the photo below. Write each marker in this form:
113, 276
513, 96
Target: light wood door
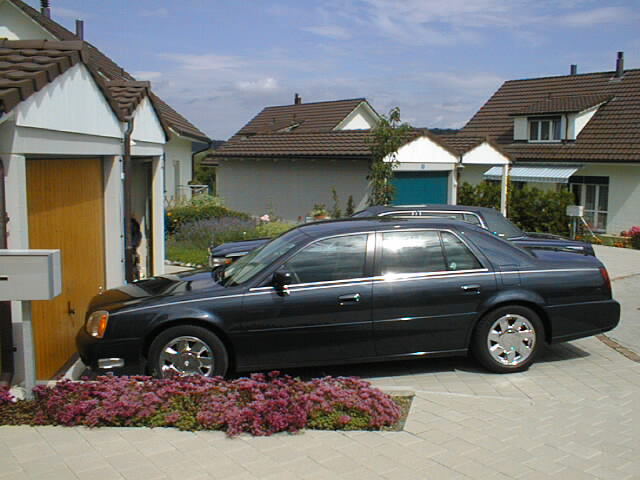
65, 208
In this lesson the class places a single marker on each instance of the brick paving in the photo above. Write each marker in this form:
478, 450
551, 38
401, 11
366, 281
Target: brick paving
571, 416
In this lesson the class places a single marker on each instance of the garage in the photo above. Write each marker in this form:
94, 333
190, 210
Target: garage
413, 188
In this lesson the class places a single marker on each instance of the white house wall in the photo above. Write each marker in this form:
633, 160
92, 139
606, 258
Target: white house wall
484, 154
63, 106
290, 188
423, 150
146, 126
177, 157
624, 194
15, 25
473, 174
361, 118
520, 128
579, 121
35, 141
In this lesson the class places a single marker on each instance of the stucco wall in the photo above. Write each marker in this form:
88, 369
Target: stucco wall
624, 194
177, 150
290, 188
15, 25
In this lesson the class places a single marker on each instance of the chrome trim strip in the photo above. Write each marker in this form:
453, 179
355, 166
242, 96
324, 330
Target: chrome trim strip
195, 300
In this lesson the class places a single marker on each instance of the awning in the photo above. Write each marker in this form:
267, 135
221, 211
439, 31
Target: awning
533, 174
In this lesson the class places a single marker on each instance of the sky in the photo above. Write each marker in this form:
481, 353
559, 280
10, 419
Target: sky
220, 62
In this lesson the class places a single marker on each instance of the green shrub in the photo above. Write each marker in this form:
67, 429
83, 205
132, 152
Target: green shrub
200, 207
532, 209
272, 229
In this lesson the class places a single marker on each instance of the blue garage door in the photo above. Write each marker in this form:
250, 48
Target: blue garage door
413, 188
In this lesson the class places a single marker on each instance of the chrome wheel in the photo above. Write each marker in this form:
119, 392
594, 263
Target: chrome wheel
186, 355
511, 339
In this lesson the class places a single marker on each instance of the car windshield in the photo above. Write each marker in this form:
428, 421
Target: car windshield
247, 267
501, 226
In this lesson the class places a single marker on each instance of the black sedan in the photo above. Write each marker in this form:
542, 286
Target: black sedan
354, 290
487, 218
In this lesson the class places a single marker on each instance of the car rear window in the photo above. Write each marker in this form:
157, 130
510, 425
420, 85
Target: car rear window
458, 255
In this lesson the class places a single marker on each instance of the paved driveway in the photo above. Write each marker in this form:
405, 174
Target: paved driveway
573, 415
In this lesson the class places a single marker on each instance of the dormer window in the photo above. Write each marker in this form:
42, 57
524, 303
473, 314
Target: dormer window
545, 129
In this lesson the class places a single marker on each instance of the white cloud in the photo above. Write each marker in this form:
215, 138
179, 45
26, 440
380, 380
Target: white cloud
151, 76
598, 16
204, 62
267, 84
330, 31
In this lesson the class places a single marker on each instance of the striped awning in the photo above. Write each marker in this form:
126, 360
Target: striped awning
540, 174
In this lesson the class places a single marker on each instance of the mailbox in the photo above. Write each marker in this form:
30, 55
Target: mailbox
575, 211
30, 274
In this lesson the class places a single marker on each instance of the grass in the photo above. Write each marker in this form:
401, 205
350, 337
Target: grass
185, 254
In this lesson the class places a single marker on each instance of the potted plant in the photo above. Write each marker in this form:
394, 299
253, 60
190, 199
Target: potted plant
319, 212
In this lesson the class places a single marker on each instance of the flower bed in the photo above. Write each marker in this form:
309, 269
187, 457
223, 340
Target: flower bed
259, 405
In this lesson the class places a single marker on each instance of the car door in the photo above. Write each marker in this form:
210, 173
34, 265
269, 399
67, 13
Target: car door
427, 292
325, 315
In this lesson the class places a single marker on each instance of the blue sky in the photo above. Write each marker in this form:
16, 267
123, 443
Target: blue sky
220, 62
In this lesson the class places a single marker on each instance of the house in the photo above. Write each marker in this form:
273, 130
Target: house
81, 143
288, 158
579, 131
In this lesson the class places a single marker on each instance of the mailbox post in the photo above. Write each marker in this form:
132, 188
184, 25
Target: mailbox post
27, 275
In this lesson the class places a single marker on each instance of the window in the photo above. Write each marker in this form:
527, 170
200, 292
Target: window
337, 258
593, 194
457, 254
545, 129
411, 252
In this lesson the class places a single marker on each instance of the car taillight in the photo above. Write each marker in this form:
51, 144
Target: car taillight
605, 277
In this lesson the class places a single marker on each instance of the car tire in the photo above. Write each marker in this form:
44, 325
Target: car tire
507, 339
187, 350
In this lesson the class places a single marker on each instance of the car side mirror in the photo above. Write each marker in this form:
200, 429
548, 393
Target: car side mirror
280, 282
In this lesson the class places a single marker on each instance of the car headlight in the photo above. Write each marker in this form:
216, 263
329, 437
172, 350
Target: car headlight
97, 323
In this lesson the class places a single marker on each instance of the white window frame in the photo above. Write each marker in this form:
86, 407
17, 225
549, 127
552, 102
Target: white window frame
539, 121
595, 212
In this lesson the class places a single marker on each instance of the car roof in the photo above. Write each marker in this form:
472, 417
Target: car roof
378, 209
364, 224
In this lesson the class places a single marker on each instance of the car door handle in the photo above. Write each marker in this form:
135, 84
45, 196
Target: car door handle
471, 288
351, 298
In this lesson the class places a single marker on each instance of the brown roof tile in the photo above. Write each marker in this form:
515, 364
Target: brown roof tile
351, 143
26, 66
564, 104
128, 95
106, 69
612, 134
310, 117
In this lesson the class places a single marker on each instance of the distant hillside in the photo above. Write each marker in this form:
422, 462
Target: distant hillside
444, 131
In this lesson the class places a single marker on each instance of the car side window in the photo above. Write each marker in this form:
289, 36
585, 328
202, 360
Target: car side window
411, 252
337, 258
451, 215
458, 255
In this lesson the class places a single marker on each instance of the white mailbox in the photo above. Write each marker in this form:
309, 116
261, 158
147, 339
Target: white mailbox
30, 274
575, 211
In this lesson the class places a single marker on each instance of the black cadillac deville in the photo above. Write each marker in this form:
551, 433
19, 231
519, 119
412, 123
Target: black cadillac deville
487, 218
355, 290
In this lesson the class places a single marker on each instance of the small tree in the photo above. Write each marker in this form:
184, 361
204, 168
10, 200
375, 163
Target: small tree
386, 138
351, 207
336, 212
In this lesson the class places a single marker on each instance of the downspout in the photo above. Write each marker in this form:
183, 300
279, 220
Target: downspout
126, 167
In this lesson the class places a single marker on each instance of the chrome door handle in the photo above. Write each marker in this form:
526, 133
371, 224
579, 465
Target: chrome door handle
351, 298
471, 288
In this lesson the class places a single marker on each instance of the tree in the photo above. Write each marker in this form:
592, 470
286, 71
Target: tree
386, 138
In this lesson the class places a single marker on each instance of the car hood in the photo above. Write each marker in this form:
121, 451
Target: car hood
162, 287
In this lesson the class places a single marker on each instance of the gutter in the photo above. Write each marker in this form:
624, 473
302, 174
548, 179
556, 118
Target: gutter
126, 167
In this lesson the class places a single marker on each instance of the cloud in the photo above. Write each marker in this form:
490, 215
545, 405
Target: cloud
205, 62
262, 85
151, 76
474, 82
598, 16
330, 31
158, 12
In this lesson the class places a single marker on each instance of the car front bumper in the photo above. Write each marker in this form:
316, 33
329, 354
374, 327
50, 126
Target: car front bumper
119, 356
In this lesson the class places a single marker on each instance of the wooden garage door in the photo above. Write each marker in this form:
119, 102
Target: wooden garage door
65, 202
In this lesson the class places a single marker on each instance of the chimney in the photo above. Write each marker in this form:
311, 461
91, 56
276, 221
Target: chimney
45, 9
574, 70
620, 65
80, 29
297, 99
